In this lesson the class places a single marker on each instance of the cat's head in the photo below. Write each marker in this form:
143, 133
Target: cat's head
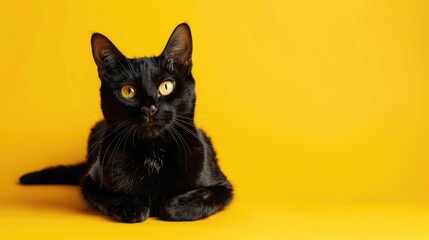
149, 93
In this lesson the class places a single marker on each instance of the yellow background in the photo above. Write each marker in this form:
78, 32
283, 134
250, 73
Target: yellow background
318, 111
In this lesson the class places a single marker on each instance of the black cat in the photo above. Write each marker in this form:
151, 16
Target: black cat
146, 158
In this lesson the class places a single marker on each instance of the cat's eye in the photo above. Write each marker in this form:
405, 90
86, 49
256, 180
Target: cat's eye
128, 91
166, 88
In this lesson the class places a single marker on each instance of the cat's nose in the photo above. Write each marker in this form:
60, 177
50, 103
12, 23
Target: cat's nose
149, 111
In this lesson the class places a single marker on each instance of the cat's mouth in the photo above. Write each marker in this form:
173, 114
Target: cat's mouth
152, 127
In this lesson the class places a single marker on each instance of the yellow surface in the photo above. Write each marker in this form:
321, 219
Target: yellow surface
318, 109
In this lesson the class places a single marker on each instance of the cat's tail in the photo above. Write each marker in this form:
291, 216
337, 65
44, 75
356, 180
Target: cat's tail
71, 174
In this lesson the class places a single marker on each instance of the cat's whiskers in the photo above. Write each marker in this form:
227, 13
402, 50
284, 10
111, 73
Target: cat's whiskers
128, 134
185, 118
177, 122
108, 147
134, 132
123, 137
104, 156
115, 127
118, 142
180, 121
113, 152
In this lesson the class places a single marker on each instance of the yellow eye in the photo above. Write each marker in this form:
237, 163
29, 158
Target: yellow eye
166, 88
128, 91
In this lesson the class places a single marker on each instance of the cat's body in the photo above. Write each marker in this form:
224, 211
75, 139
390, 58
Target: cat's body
146, 158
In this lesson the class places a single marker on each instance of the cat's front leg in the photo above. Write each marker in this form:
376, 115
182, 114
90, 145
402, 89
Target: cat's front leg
121, 207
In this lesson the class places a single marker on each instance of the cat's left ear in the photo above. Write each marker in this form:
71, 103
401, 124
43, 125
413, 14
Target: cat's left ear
105, 53
179, 48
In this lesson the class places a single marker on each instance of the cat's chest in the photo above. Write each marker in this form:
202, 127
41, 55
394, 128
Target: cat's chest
151, 161
151, 157
146, 167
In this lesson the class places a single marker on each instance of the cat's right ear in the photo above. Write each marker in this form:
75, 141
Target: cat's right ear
105, 53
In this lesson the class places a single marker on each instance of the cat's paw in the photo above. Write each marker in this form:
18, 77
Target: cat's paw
130, 213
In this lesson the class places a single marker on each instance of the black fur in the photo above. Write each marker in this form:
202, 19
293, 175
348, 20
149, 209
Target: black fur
139, 164
71, 174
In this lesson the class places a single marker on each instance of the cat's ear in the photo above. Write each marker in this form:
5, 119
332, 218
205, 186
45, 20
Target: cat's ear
178, 50
105, 54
